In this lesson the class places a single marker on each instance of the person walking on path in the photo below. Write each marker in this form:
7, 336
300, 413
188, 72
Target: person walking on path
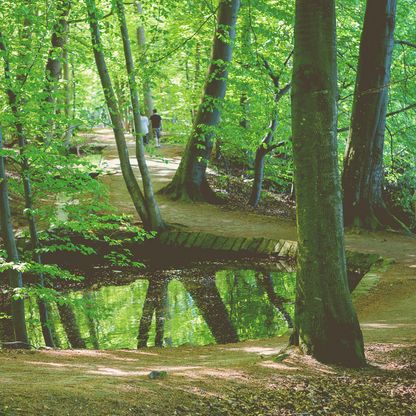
144, 124
156, 122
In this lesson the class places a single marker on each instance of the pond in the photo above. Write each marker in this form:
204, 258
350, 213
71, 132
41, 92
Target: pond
194, 306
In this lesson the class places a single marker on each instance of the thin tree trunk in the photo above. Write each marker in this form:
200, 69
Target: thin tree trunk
326, 323
265, 146
152, 206
68, 107
27, 188
54, 63
147, 85
15, 277
244, 106
122, 100
190, 182
363, 165
116, 119
261, 153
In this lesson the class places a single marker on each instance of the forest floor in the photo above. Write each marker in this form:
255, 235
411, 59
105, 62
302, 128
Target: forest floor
236, 379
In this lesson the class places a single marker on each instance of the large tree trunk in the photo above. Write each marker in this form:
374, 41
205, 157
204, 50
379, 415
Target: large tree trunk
363, 166
15, 277
147, 86
152, 206
116, 119
326, 323
189, 182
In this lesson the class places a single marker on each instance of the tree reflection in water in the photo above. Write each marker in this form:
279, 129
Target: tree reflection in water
177, 307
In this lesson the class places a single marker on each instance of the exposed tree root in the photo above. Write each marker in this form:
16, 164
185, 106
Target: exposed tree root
376, 218
179, 190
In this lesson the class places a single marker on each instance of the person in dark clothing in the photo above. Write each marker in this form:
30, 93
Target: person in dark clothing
156, 122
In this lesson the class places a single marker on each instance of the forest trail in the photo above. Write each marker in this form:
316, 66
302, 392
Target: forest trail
386, 312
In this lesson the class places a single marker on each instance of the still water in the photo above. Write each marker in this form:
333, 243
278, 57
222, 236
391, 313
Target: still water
173, 308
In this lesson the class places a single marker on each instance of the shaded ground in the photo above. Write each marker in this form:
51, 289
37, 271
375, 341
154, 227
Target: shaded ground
240, 379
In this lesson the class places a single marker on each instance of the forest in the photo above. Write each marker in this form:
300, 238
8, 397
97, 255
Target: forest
207, 207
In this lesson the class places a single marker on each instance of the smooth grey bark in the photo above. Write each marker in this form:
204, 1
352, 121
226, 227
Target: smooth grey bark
152, 206
326, 323
15, 277
147, 85
189, 182
266, 145
117, 123
363, 174
27, 188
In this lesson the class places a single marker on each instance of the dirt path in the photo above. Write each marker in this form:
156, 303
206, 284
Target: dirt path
234, 380
387, 312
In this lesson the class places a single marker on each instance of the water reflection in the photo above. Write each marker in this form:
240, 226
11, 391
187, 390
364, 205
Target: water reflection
172, 308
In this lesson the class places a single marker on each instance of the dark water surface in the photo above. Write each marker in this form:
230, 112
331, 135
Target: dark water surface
197, 306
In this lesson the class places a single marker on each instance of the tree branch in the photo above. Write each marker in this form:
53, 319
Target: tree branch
110, 13
272, 147
401, 110
405, 43
283, 91
392, 113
